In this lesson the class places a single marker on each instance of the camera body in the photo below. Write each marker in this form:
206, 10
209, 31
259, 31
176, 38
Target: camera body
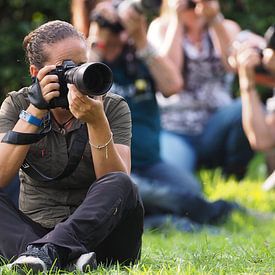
114, 27
268, 42
191, 4
92, 79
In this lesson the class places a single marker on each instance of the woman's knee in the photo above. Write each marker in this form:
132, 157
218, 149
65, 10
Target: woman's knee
119, 181
123, 180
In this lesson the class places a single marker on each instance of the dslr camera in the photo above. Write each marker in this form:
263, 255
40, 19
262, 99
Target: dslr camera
270, 43
190, 4
149, 8
92, 79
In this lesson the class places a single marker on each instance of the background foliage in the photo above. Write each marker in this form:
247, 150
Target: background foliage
18, 17
246, 244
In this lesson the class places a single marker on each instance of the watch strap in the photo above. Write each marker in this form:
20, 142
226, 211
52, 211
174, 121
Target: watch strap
24, 115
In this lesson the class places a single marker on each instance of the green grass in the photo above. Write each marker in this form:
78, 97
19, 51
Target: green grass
245, 244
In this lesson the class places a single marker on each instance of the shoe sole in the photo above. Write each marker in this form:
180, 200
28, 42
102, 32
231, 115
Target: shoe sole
26, 263
86, 262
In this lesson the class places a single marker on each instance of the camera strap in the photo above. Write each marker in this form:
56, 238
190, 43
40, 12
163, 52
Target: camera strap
13, 137
74, 156
35, 95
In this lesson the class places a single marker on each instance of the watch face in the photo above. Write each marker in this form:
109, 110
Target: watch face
24, 115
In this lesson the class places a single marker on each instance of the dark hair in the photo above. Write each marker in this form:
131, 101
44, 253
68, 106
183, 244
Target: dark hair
48, 33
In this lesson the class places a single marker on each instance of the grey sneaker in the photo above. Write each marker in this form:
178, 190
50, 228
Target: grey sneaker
36, 258
25, 263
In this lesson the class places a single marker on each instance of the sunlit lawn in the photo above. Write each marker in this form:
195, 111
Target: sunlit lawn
244, 245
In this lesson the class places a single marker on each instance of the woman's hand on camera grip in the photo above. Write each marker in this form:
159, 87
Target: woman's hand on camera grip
135, 24
44, 88
48, 82
247, 58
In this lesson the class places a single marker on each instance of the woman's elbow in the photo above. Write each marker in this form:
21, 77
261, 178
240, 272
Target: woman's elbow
261, 145
174, 87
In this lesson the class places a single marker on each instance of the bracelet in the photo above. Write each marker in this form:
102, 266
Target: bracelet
99, 147
147, 53
24, 115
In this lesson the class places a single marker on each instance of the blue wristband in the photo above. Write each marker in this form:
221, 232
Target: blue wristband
30, 118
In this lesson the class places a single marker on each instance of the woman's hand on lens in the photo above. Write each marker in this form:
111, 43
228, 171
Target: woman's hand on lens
85, 108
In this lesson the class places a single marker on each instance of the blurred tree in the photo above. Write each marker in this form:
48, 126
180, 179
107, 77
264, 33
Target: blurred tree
254, 15
17, 18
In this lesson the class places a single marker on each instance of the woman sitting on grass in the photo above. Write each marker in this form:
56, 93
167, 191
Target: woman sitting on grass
92, 212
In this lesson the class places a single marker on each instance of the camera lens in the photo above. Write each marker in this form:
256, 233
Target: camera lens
91, 78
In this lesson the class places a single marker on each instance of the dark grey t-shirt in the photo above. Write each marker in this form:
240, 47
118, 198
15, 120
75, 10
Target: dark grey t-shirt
51, 202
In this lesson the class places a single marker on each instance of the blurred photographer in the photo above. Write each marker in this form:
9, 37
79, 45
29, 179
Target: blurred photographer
80, 11
122, 30
118, 38
78, 204
258, 121
202, 124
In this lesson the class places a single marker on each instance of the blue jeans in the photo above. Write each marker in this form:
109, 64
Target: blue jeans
166, 191
164, 176
221, 144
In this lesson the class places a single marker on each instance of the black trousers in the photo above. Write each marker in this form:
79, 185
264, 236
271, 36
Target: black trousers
108, 222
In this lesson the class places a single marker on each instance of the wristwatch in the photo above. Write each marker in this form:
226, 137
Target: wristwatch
24, 115
147, 53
